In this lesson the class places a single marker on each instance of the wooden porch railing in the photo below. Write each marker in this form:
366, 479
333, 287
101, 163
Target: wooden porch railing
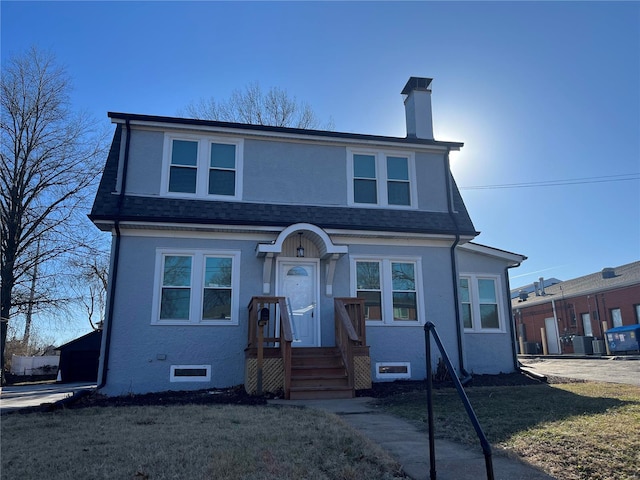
270, 327
350, 331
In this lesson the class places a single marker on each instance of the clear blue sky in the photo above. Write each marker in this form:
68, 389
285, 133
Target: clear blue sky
536, 91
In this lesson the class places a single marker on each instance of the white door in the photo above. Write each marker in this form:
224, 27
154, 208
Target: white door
553, 342
586, 324
298, 283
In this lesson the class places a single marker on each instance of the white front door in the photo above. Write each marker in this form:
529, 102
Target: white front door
553, 342
298, 282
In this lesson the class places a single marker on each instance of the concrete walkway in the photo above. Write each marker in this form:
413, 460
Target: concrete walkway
410, 447
16, 397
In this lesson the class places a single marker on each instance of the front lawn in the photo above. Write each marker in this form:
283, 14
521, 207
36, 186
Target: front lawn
573, 431
188, 442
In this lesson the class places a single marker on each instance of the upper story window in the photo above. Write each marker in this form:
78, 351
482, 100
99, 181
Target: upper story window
480, 303
383, 179
205, 167
196, 287
390, 289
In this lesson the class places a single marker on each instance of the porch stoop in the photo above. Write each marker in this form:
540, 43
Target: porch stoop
318, 373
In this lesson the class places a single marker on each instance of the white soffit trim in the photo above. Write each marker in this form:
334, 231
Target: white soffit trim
516, 258
265, 233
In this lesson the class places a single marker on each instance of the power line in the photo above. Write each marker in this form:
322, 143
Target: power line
555, 183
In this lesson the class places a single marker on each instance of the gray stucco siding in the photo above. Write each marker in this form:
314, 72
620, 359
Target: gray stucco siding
403, 343
142, 353
144, 172
283, 172
488, 353
431, 183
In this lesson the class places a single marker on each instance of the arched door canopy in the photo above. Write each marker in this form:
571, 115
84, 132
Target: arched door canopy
318, 236
327, 251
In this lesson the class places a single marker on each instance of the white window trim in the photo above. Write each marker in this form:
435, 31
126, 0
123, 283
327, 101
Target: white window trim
174, 378
382, 179
203, 166
197, 286
475, 303
387, 289
392, 376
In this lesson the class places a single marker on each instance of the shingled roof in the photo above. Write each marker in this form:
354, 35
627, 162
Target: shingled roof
622, 276
109, 206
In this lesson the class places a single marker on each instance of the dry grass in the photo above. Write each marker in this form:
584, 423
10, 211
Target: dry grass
188, 442
573, 431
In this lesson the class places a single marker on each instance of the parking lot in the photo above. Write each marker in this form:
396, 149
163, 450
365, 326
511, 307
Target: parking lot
605, 369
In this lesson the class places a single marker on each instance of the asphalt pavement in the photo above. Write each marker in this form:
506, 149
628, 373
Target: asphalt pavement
622, 369
16, 397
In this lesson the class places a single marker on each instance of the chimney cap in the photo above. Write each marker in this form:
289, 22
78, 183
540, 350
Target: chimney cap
417, 83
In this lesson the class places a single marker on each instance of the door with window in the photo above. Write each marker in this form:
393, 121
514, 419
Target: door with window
298, 282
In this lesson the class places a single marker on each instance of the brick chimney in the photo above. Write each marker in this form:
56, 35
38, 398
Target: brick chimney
417, 106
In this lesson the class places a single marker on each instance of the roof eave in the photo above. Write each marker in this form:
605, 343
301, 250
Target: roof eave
151, 120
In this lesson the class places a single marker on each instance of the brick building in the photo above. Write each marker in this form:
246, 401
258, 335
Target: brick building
574, 314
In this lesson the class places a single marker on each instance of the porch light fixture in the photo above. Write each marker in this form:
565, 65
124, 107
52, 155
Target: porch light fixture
300, 249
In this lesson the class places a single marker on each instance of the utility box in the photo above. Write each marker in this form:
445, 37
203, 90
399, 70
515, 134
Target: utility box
583, 345
598, 347
624, 339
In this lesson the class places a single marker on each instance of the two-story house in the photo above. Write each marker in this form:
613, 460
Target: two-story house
298, 260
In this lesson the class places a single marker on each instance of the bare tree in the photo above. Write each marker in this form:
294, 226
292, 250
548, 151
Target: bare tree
251, 105
90, 285
48, 164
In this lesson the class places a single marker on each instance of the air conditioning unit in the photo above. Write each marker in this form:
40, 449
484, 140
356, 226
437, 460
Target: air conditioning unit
598, 347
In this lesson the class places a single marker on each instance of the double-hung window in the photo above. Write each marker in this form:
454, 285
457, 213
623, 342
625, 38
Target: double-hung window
480, 306
365, 183
382, 179
204, 167
196, 287
398, 185
390, 289
183, 172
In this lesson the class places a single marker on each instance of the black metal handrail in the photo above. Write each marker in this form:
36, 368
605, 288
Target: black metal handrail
430, 329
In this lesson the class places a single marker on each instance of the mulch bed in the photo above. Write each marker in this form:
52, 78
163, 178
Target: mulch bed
238, 396
226, 396
387, 389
